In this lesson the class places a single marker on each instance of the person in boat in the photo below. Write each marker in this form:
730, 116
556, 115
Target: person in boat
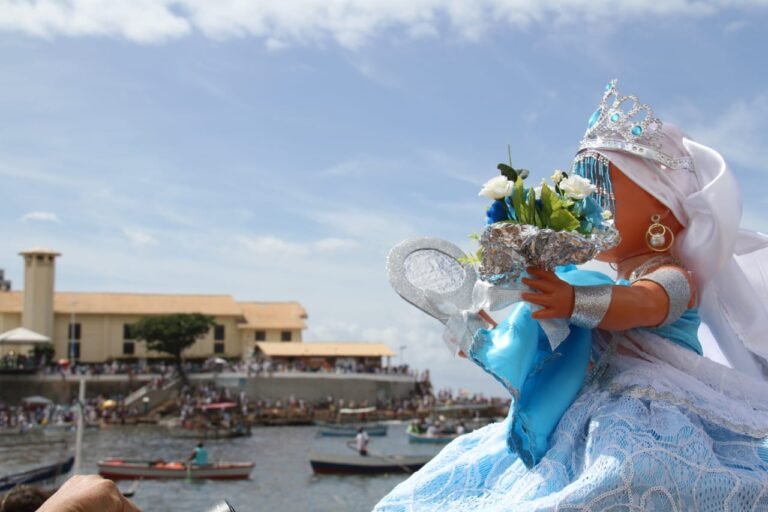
199, 457
361, 441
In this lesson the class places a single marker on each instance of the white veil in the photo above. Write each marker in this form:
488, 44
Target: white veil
730, 265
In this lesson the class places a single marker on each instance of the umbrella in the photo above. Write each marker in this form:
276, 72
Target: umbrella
107, 404
22, 336
36, 400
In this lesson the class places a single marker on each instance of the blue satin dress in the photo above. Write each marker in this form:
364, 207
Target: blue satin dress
578, 436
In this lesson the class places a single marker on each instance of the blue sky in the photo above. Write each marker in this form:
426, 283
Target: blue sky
277, 150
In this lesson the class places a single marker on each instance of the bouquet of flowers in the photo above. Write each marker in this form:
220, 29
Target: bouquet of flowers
545, 226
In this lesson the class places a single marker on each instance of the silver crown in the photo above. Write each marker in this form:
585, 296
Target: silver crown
623, 123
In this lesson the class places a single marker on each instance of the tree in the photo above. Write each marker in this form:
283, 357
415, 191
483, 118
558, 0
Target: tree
43, 353
172, 334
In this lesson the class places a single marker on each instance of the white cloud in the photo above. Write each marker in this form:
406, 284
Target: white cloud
139, 237
274, 246
738, 132
41, 216
350, 23
735, 26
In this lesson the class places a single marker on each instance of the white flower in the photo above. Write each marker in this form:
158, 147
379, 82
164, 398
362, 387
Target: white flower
497, 188
559, 175
576, 187
607, 215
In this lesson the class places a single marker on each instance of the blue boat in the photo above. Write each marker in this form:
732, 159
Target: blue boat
336, 430
431, 439
38, 476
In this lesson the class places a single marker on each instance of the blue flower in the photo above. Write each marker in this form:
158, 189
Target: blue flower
592, 211
496, 213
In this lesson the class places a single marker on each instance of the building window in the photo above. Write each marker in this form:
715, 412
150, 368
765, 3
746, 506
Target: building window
73, 332
129, 348
260, 335
218, 332
285, 336
127, 332
218, 348
74, 350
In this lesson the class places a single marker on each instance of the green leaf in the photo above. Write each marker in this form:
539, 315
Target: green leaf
474, 236
563, 220
531, 207
507, 171
546, 204
518, 202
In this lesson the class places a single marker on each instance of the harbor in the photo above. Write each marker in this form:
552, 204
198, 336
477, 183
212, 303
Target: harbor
281, 479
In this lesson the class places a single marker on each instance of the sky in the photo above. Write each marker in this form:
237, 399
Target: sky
276, 150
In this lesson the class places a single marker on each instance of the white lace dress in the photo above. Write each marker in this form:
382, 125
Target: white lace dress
655, 427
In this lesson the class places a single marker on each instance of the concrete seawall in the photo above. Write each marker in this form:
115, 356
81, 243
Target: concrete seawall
279, 386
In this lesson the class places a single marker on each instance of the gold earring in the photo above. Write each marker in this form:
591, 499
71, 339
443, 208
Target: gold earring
656, 235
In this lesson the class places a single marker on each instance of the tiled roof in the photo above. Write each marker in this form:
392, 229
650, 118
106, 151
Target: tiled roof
273, 315
273, 349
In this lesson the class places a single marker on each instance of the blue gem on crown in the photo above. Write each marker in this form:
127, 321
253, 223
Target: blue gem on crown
623, 123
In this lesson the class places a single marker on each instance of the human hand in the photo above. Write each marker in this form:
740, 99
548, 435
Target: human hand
554, 295
88, 493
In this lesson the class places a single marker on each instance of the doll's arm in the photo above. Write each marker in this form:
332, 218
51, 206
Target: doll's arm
644, 304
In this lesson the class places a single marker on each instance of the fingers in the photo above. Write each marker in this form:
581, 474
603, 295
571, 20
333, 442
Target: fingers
540, 285
546, 314
537, 298
546, 275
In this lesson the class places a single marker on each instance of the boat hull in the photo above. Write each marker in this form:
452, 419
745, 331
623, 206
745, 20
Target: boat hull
330, 464
131, 470
38, 475
425, 439
351, 430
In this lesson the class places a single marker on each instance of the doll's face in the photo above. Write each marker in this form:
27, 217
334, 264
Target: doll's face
634, 208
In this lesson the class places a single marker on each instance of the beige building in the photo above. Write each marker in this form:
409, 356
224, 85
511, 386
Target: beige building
96, 327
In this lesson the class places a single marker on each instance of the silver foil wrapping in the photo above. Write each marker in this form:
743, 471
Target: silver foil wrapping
509, 248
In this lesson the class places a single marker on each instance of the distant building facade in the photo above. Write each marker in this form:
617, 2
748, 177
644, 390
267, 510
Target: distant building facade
96, 327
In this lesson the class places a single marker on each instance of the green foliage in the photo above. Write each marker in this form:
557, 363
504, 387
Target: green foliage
172, 334
473, 260
511, 173
518, 202
552, 210
563, 220
43, 352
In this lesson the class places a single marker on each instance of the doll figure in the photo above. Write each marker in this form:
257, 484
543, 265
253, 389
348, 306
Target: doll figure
626, 413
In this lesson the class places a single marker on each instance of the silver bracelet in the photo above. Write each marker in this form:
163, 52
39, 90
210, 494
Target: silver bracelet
677, 288
590, 304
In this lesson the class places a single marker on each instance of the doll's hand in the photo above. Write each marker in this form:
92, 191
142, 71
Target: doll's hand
554, 295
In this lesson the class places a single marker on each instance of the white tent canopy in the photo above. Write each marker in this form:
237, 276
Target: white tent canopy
22, 336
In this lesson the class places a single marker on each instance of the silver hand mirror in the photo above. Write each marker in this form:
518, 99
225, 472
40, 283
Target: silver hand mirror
420, 266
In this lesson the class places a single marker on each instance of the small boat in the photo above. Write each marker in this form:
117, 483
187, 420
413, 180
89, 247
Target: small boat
37, 476
121, 469
336, 430
349, 420
431, 439
372, 464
